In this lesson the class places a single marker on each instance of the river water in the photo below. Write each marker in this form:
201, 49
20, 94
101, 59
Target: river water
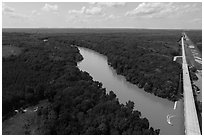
155, 109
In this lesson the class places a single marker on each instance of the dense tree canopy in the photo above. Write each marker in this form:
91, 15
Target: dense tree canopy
145, 59
77, 104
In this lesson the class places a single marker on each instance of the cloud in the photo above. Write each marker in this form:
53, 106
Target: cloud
6, 9
87, 11
148, 9
14, 15
156, 9
111, 16
49, 7
196, 20
18, 16
93, 11
10, 12
81, 11
109, 4
85, 16
35, 12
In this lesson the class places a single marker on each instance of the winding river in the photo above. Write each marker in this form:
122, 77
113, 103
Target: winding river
155, 109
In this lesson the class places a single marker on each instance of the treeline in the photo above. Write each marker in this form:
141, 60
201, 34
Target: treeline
78, 105
145, 59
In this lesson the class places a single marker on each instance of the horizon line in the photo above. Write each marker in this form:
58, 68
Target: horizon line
100, 28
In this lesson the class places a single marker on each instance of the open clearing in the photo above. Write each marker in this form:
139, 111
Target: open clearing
8, 50
24, 123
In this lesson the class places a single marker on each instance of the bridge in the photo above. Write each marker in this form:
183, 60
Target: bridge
190, 115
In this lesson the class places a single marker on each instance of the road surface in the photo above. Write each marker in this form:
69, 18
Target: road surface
190, 114
193, 55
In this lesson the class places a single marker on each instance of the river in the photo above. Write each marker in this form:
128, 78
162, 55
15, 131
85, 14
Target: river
155, 109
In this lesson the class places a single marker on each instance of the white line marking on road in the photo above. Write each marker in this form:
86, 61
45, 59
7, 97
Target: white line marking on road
175, 105
194, 53
198, 61
191, 46
198, 58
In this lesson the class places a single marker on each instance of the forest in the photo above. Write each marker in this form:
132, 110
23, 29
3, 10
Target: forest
77, 104
46, 69
145, 59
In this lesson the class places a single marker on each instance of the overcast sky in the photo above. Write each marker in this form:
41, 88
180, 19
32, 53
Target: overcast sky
102, 15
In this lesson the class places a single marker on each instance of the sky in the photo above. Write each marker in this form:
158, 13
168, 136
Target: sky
155, 15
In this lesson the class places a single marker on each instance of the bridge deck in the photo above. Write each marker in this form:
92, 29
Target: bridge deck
190, 114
